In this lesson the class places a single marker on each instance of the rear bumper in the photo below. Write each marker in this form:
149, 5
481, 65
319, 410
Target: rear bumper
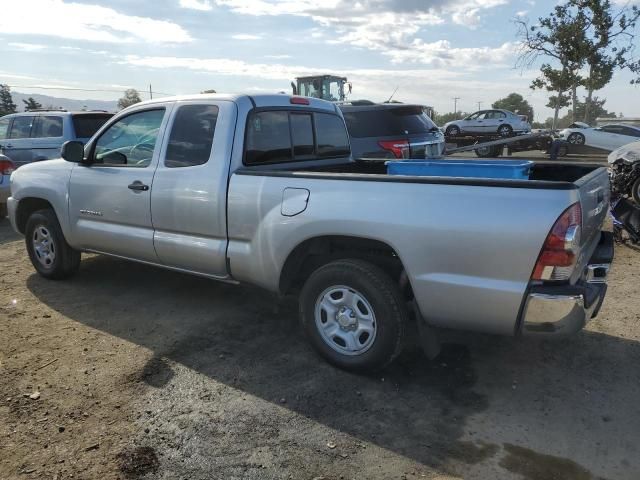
565, 309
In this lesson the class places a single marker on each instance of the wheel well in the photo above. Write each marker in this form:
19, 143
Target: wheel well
26, 207
313, 253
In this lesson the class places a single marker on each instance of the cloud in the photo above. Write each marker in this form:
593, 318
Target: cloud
277, 57
244, 36
27, 47
93, 23
387, 26
439, 55
202, 5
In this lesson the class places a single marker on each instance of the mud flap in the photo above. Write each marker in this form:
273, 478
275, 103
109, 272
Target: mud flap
428, 336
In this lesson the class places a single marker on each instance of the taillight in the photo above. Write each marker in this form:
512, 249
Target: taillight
561, 248
6, 167
399, 148
299, 101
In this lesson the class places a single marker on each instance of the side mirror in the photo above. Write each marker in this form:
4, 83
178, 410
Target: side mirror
72, 151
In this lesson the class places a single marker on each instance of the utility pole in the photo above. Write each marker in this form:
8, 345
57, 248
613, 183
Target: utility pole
480, 105
150, 92
455, 104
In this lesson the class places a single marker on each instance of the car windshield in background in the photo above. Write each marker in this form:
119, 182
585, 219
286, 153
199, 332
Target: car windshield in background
86, 124
386, 122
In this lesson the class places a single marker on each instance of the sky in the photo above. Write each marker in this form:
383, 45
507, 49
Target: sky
430, 50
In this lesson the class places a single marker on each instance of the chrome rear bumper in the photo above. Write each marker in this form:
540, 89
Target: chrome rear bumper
564, 310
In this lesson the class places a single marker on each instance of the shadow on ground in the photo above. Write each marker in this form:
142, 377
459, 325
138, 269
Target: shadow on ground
239, 336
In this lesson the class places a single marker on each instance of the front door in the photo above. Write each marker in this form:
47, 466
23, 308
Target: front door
110, 196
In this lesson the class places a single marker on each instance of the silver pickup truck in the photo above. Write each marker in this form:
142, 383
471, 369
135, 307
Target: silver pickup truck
262, 189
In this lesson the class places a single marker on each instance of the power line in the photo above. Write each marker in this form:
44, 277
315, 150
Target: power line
81, 89
455, 104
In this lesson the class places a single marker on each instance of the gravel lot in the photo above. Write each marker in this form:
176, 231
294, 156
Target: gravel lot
137, 372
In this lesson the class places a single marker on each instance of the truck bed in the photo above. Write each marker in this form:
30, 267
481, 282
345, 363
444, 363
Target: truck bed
551, 175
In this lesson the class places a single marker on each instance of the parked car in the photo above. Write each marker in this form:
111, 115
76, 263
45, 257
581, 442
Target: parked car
263, 189
579, 125
392, 131
607, 137
624, 165
488, 122
6, 169
33, 136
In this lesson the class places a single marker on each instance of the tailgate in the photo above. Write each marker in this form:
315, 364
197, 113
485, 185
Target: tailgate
594, 200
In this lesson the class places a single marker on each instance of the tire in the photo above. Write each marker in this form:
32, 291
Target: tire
346, 291
576, 138
505, 130
49, 252
635, 191
452, 131
488, 152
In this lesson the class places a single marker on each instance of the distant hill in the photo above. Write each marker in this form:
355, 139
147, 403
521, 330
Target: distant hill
64, 103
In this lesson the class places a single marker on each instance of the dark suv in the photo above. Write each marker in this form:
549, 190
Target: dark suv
33, 136
392, 130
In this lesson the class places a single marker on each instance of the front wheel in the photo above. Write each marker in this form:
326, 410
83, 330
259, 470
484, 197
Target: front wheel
635, 191
353, 314
452, 131
576, 138
50, 254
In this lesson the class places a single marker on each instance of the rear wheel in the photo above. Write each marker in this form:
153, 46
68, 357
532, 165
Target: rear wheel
505, 130
50, 254
576, 138
353, 314
486, 152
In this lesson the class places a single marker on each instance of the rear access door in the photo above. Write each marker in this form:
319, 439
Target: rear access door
188, 201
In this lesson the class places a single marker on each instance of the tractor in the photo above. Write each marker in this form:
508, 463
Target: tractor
325, 87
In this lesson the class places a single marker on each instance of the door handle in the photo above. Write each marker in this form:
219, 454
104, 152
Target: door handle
138, 186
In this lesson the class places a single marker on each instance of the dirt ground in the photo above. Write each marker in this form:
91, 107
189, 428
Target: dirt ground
127, 371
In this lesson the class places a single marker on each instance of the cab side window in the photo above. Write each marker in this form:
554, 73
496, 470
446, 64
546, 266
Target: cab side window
191, 136
130, 142
4, 128
21, 127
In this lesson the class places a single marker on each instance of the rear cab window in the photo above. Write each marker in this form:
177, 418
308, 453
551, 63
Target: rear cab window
86, 125
277, 136
387, 122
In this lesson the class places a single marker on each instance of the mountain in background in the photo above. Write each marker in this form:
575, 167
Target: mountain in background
64, 103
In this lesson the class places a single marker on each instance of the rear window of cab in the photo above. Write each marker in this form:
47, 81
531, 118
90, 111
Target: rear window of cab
284, 136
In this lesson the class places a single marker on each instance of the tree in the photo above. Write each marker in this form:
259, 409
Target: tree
585, 41
131, 97
441, 119
6, 101
208, 91
558, 82
31, 104
514, 102
609, 44
596, 111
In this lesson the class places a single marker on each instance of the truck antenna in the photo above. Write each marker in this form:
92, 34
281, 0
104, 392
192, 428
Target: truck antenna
394, 92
